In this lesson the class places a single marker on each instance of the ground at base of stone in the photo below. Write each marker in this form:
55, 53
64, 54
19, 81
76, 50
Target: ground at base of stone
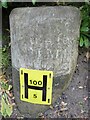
73, 103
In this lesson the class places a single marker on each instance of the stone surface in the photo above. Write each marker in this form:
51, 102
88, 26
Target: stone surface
44, 38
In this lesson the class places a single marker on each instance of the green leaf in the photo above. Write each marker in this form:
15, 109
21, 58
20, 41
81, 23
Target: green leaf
3, 107
81, 41
86, 20
85, 23
4, 85
34, 1
86, 34
85, 9
9, 110
84, 29
6, 108
10, 87
86, 42
4, 3
4, 49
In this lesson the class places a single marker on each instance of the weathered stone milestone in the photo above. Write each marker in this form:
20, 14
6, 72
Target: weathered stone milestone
44, 38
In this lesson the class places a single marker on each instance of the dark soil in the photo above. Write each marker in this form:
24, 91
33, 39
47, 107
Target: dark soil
75, 96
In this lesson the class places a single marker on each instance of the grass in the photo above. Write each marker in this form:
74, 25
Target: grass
5, 52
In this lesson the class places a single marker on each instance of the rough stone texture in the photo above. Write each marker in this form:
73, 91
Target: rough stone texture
44, 38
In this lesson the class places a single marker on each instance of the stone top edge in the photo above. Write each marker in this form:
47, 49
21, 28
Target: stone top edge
17, 10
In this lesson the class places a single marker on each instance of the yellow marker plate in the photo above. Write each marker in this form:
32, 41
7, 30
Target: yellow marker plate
36, 86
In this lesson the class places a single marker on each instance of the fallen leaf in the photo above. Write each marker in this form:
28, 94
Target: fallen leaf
63, 109
20, 118
82, 111
6, 103
13, 97
13, 104
6, 81
40, 114
80, 87
85, 98
88, 55
9, 94
51, 107
56, 84
63, 103
2, 76
10, 87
